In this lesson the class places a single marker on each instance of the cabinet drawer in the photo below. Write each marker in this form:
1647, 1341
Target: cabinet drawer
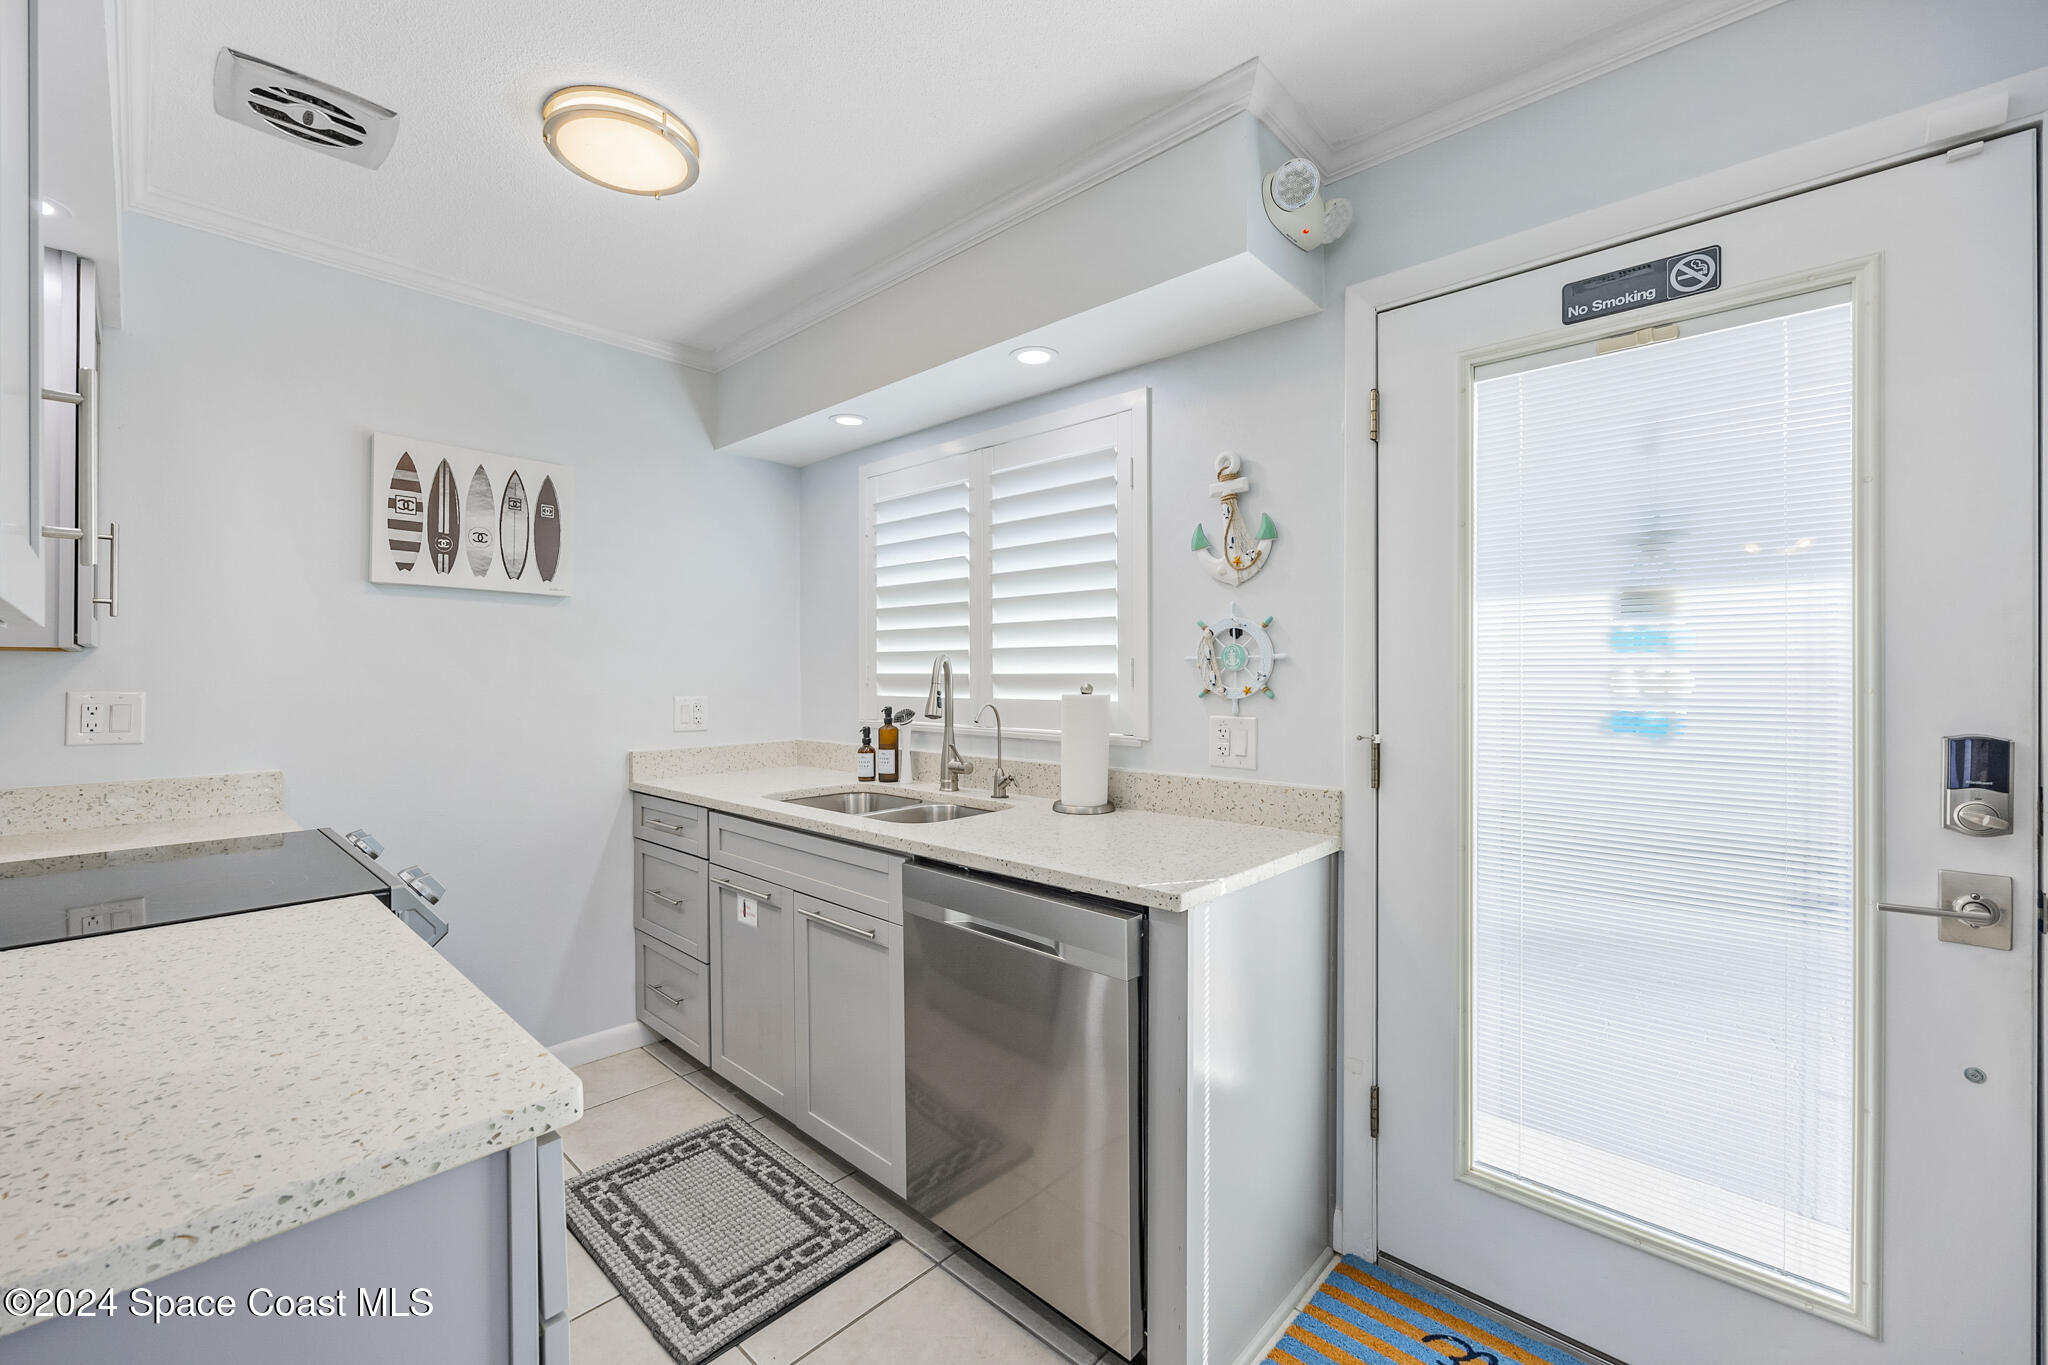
669, 823
675, 996
863, 879
670, 898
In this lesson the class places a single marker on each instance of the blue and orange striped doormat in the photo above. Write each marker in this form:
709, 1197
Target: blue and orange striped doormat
1362, 1314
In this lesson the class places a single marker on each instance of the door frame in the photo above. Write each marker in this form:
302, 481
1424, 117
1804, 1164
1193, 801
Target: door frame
1930, 130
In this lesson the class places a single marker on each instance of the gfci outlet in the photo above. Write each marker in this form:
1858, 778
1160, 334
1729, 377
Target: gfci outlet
693, 713
103, 717
1233, 742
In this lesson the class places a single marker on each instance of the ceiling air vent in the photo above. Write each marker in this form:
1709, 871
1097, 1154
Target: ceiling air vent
318, 115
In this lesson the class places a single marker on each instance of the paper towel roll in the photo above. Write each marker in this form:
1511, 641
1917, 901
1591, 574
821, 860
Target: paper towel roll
1084, 749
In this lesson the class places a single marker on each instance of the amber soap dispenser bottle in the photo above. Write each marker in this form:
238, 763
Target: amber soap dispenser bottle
885, 749
864, 761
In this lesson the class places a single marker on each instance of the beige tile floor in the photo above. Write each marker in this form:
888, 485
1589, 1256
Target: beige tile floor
921, 1301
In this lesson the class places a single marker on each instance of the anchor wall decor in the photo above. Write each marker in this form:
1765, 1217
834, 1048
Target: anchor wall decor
1243, 553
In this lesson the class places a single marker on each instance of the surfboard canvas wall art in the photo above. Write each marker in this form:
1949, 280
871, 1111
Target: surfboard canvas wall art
512, 527
407, 520
445, 517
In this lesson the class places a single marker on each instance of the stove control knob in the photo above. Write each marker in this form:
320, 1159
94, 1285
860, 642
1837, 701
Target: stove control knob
422, 884
365, 841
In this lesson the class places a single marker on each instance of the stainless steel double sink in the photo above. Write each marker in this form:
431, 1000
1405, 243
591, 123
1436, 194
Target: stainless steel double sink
889, 806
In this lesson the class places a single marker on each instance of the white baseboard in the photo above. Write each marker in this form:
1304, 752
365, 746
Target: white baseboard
604, 1043
1277, 1325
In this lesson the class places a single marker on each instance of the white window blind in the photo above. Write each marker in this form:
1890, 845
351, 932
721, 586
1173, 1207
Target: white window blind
922, 566
1024, 558
1663, 790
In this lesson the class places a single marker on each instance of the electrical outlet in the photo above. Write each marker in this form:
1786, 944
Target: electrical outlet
103, 717
693, 713
1233, 742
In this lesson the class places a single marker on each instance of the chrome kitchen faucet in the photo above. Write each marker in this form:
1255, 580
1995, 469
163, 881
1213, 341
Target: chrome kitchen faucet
938, 705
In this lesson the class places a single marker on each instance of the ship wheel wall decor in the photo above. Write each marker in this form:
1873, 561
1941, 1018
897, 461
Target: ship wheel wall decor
1234, 657
1244, 553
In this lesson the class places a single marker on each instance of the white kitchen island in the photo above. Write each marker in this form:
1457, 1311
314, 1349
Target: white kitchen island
299, 1107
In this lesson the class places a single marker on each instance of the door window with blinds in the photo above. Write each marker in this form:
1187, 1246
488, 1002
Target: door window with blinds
1664, 976
1022, 555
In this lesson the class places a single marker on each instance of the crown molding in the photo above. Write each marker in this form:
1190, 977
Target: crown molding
170, 208
1667, 29
1249, 87
1285, 117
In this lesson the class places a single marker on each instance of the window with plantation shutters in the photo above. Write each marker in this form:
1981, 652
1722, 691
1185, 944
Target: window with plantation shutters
1022, 556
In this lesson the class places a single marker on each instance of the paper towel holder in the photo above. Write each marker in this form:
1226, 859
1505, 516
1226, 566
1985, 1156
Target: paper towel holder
1087, 690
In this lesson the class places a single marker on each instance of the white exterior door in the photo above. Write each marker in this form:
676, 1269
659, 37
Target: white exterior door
1677, 607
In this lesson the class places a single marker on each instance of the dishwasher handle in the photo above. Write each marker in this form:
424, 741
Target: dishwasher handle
1091, 936
956, 920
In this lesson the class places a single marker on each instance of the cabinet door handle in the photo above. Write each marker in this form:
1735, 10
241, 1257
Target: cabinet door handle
661, 824
841, 926
768, 896
665, 900
674, 1002
112, 601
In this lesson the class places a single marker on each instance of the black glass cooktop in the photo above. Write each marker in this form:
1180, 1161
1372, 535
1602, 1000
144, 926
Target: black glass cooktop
256, 874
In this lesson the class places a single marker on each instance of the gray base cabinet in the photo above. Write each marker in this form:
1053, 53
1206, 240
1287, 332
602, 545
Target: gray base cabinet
484, 1240
848, 990
753, 1034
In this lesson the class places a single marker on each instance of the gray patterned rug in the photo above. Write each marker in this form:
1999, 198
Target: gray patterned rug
713, 1232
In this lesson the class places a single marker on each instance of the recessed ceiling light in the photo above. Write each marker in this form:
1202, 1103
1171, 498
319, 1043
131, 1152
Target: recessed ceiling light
619, 140
53, 209
848, 419
1033, 355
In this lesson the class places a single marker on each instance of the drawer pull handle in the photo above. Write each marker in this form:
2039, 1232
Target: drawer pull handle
665, 900
768, 896
837, 924
662, 824
674, 1002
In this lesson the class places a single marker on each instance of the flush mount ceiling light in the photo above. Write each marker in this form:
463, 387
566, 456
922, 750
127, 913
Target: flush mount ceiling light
848, 419
1033, 355
618, 140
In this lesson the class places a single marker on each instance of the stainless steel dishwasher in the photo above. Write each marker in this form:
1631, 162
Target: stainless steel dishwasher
1023, 1025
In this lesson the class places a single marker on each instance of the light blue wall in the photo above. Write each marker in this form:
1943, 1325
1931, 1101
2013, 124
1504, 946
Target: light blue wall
483, 735
1796, 72
1793, 73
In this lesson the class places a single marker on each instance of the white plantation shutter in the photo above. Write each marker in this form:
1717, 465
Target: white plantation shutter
1053, 570
922, 570
1023, 558
1664, 784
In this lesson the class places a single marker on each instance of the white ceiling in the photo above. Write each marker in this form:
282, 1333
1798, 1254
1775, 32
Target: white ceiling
834, 135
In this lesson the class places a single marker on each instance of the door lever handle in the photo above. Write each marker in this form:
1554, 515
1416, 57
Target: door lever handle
1971, 908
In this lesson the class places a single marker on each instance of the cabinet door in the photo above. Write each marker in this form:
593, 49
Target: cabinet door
24, 582
849, 1036
752, 1036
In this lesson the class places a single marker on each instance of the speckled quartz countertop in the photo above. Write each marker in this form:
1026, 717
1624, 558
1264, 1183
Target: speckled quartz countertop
1165, 862
172, 1094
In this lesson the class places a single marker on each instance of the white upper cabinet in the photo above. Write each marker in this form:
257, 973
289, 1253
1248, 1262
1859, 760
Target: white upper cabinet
24, 582
59, 272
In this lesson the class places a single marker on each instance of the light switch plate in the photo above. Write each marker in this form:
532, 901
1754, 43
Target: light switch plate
693, 713
103, 717
1233, 742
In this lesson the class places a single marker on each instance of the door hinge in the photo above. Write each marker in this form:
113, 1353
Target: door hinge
1375, 762
1372, 430
1373, 1112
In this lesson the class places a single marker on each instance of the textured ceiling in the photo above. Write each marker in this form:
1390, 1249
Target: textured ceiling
834, 135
